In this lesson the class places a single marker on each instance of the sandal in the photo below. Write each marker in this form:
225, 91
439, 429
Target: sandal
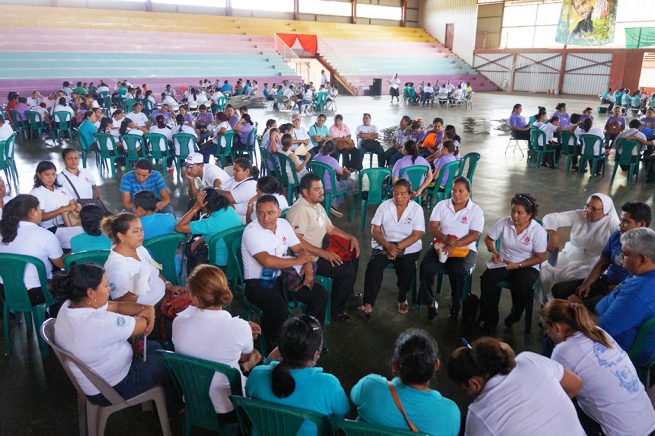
366, 313
403, 308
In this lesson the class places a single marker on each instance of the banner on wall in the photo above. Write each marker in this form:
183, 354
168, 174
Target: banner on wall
587, 22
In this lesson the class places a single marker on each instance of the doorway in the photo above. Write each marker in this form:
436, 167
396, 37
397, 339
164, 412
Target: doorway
450, 35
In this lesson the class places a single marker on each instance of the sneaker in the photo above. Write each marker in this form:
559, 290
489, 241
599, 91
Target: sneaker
334, 211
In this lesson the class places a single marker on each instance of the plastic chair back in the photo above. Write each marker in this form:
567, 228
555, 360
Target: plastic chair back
133, 143
642, 351
565, 141
127, 105
229, 137
17, 118
268, 157
148, 107
274, 419
625, 158
589, 141
163, 249
99, 257
102, 139
63, 118
154, 141
535, 135
416, 175
472, 159
12, 271
357, 428
452, 168
232, 240
195, 378
376, 182
287, 166
36, 121
187, 143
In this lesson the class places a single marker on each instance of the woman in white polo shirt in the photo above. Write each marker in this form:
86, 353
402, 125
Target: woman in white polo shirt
523, 249
97, 331
455, 222
524, 395
242, 186
78, 182
134, 276
211, 333
397, 229
21, 234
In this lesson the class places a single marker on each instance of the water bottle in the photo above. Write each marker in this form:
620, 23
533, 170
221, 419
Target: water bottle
267, 280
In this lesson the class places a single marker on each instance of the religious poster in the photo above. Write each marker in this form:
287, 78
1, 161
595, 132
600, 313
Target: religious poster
587, 22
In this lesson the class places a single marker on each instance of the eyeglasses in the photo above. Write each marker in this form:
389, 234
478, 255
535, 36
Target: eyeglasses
593, 209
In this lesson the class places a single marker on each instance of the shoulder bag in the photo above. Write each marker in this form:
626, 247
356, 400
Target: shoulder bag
84, 201
399, 405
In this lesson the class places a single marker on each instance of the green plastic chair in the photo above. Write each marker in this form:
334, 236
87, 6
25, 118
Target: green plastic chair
195, 376
415, 173
127, 105
472, 159
326, 282
269, 157
12, 269
251, 143
20, 124
154, 152
321, 100
188, 145
86, 149
162, 249
234, 267
36, 125
148, 108
227, 151
588, 156
321, 170
436, 192
135, 147
221, 103
570, 151
643, 358
7, 163
537, 152
625, 158
106, 105
99, 257
239, 91
292, 186
358, 428
64, 120
105, 153
378, 181
274, 419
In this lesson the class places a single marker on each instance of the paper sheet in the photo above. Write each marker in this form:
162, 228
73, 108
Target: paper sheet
491, 265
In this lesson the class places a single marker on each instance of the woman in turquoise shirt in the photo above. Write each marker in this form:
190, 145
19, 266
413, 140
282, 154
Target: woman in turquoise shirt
92, 238
294, 380
415, 360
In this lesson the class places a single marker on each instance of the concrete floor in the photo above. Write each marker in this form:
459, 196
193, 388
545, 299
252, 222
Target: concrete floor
37, 398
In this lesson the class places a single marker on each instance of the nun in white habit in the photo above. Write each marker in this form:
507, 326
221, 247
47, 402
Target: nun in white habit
591, 227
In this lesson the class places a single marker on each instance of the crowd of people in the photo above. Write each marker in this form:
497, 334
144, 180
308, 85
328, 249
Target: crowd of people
595, 296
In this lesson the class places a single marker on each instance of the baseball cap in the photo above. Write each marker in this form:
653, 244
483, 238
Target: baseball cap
193, 159
295, 117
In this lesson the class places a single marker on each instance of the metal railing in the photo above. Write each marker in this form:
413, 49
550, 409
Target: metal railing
345, 70
300, 66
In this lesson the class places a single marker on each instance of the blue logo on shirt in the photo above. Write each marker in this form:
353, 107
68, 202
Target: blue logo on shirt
120, 321
112, 287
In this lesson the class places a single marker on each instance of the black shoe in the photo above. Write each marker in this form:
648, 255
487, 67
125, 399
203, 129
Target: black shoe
432, 312
509, 321
343, 317
453, 317
574, 168
355, 296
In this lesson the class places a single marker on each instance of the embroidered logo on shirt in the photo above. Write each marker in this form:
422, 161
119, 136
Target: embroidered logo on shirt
284, 239
87, 180
526, 240
120, 321
409, 220
112, 287
464, 219
63, 192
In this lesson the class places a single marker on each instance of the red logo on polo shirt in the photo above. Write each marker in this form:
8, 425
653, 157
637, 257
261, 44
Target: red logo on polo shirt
284, 239
63, 192
87, 180
526, 240
464, 219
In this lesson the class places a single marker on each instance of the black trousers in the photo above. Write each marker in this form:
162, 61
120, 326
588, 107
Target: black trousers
343, 281
521, 134
372, 146
520, 282
597, 290
375, 271
390, 154
457, 268
350, 158
273, 303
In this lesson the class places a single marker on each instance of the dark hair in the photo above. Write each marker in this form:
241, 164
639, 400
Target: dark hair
62, 101
404, 183
463, 180
286, 141
338, 117
210, 287
115, 224
245, 164
300, 338
634, 124
215, 200
104, 122
485, 358
553, 119
437, 120
179, 119
74, 285
143, 164
220, 116
516, 106
411, 149
91, 215
449, 145
269, 185
307, 180
45, 165
269, 124
560, 106
415, 355
146, 200
407, 119
268, 198
247, 118
14, 211
529, 203
638, 212
416, 124
587, 124
575, 316
66, 151
125, 124
450, 128
328, 147
575, 118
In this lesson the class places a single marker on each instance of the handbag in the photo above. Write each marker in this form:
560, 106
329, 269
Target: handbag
344, 143
172, 304
341, 246
399, 405
83, 202
71, 218
292, 281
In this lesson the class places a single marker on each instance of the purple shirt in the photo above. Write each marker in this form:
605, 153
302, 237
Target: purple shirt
166, 115
233, 120
516, 120
443, 160
563, 118
204, 120
619, 120
582, 118
21, 108
330, 161
406, 162
648, 122
418, 137
245, 131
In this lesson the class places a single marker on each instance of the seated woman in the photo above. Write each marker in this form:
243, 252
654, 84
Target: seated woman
344, 183
397, 229
299, 167
116, 122
129, 128
293, 379
221, 217
210, 147
54, 201
266, 185
211, 333
92, 238
414, 363
188, 118
432, 142
550, 129
340, 134
591, 227
97, 331
449, 153
243, 129
154, 224
241, 187
411, 158
417, 133
611, 394
21, 234
455, 223
517, 124
75, 180
4, 198
133, 274
614, 125
204, 119
507, 390
523, 249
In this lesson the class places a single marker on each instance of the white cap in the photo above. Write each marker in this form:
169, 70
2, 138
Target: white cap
193, 159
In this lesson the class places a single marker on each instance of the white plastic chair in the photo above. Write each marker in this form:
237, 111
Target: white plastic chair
94, 418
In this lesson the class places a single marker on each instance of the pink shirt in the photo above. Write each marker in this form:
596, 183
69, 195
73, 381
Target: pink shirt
335, 132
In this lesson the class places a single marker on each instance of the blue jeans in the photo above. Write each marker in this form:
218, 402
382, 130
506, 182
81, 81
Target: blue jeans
143, 376
342, 185
426, 96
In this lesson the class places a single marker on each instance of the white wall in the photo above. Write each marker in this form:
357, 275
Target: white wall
435, 14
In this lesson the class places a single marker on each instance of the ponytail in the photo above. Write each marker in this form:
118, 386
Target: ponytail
282, 382
13, 213
576, 317
411, 149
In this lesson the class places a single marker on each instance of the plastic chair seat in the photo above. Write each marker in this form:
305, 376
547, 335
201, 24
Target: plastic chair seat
62, 123
537, 152
626, 158
105, 153
287, 166
227, 151
274, 419
588, 155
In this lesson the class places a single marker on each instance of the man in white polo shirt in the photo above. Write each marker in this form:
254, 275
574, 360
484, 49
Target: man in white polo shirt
264, 250
202, 175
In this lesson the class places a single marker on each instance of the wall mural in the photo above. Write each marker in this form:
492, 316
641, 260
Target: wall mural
587, 22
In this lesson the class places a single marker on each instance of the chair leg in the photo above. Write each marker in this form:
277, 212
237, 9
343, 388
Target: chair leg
328, 203
5, 317
616, 167
38, 314
363, 221
81, 413
101, 421
92, 417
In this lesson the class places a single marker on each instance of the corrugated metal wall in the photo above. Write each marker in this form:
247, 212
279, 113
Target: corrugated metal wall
536, 72
411, 19
587, 73
494, 66
435, 14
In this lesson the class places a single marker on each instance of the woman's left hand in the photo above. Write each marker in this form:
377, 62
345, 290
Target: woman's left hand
511, 266
308, 277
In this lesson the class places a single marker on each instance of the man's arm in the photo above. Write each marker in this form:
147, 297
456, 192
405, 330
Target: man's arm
125, 198
331, 257
268, 261
599, 268
165, 199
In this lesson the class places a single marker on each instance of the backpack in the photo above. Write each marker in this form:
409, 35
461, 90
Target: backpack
471, 310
